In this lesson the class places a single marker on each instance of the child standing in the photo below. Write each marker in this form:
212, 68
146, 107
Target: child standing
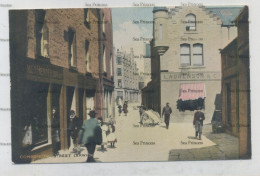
111, 137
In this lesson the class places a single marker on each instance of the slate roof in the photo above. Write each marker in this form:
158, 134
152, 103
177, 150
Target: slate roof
226, 14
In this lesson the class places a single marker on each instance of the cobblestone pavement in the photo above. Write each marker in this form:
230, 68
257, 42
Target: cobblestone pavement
226, 148
136, 143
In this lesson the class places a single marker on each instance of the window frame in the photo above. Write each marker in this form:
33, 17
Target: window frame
181, 45
202, 54
189, 24
117, 71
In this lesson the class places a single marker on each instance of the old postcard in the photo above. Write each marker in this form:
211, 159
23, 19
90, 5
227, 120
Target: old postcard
159, 83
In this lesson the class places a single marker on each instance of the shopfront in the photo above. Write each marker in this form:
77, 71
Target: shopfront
37, 88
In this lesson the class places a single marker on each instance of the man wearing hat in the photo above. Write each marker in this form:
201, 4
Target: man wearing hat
91, 135
167, 110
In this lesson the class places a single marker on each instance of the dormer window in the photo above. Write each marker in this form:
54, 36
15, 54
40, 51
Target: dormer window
190, 21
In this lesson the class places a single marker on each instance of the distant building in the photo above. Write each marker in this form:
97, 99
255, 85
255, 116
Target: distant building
236, 86
185, 58
126, 77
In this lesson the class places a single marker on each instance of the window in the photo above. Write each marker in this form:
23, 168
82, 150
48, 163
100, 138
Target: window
104, 59
45, 41
119, 60
197, 54
119, 83
119, 73
86, 18
41, 34
111, 65
190, 21
87, 56
103, 23
72, 48
185, 54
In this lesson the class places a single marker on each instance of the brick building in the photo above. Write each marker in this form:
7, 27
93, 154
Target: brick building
236, 86
106, 64
55, 59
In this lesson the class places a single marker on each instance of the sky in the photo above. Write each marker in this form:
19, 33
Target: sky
125, 29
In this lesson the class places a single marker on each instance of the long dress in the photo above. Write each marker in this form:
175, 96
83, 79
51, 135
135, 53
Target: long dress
104, 135
111, 137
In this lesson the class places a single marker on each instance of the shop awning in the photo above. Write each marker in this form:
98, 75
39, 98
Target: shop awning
192, 91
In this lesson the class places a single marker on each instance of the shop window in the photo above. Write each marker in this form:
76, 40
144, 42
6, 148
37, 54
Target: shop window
72, 48
87, 56
190, 21
86, 18
119, 73
185, 54
197, 54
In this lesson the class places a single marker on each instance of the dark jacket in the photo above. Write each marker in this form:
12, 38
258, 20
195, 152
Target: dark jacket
125, 108
198, 116
75, 127
167, 110
91, 132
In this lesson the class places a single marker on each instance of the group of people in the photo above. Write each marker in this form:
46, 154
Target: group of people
89, 133
198, 119
120, 110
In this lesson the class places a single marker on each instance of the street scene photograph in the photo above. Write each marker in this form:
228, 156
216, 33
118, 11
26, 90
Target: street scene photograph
130, 84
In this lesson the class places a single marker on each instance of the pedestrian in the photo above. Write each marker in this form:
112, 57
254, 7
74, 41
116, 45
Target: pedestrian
91, 135
198, 119
104, 128
125, 106
167, 110
111, 137
119, 109
141, 110
75, 127
55, 131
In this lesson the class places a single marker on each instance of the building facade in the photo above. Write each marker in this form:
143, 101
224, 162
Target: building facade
55, 62
106, 66
186, 62
236, 86
126, 77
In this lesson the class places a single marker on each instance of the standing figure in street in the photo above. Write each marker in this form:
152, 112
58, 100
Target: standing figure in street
125, 106
141, 110
119, 109
111, 137
167, 110
91, 135
198, 122
75, 127
55, 131
104, 128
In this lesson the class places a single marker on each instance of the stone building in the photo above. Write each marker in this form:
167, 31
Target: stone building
55, 59
106, 65
185, 58
236, 86
126, 77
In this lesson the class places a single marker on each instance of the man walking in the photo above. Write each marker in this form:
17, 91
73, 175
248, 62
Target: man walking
198, 122
91, 135
167, 110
